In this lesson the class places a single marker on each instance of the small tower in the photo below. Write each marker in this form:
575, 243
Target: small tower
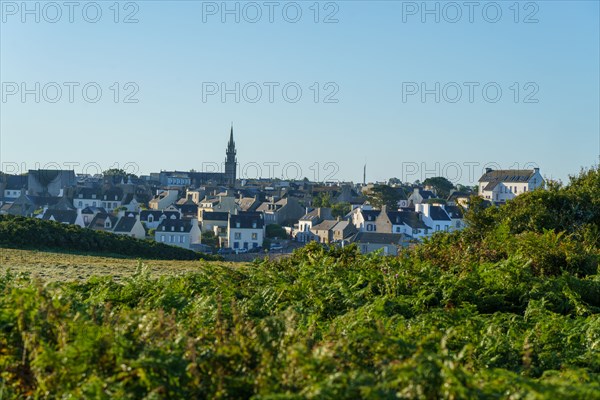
230, 160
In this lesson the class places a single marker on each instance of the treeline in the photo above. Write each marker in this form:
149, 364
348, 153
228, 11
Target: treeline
33, 233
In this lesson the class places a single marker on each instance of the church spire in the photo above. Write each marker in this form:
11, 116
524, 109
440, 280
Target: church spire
231, 144
230, 160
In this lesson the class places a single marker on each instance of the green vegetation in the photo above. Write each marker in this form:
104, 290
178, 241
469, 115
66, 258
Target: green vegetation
441, 185
274, 231
384, 195
506, 309
33, 233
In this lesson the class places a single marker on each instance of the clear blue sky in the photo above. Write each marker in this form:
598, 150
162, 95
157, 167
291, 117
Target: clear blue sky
373, 55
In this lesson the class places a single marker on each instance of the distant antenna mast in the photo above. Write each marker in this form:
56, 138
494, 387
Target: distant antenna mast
365, 175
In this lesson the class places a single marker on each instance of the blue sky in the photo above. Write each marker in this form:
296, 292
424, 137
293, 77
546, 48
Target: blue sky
371, 61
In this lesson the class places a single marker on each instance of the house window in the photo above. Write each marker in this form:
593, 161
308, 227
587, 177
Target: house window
255, 236
237, 235
80, 204
162, 238
183, 239
171, 239
237, 224
150, 218
254, 225
236, 245
437, 228
397, 229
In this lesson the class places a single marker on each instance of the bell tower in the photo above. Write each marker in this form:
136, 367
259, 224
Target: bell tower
230, 160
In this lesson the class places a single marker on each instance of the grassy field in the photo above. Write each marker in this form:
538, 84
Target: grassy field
55, 266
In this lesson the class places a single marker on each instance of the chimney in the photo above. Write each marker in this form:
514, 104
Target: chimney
488, 170
536, 170
426, 209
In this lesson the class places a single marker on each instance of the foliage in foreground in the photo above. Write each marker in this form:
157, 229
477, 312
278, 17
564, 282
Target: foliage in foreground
492, 312
28, 233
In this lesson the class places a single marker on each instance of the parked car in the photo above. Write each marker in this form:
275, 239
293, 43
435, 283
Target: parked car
276, 247
255, 250
241, 251
225, 250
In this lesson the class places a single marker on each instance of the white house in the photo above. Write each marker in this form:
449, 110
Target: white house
499, 186
153, 218
246, 230
363, 218
163, 199
130, 226
435, 217
308, 221
87, 197
406, 222
178, 232
112, 199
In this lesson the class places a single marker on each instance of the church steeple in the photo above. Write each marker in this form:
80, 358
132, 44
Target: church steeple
231, 160
231, 144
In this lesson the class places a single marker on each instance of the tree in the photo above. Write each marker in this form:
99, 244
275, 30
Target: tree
340, 209
384, 195
441, 185
118, 174
209, 238
275, 231
323, 199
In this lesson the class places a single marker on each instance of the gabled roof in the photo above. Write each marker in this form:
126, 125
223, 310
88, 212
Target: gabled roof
247, 220
99, 221
175, 226
409, 218
378, 238
248, 203
125, 224
93, 210
113, 194
16, 182
62, 216
88, 193
316, 214
156, 214
455, 212
370, 215
214, 216
437, 213
427, 194
326, 225
508, 175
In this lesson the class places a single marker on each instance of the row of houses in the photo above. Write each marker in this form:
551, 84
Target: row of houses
238, 216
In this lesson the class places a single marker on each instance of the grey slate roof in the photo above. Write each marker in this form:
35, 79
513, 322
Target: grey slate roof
99, 220
507, 175
437, 213
410, 218
325, 225
16, 182
455, 212
377, 238
125, 224
214, 216
247, 220
62, 216
175, 225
